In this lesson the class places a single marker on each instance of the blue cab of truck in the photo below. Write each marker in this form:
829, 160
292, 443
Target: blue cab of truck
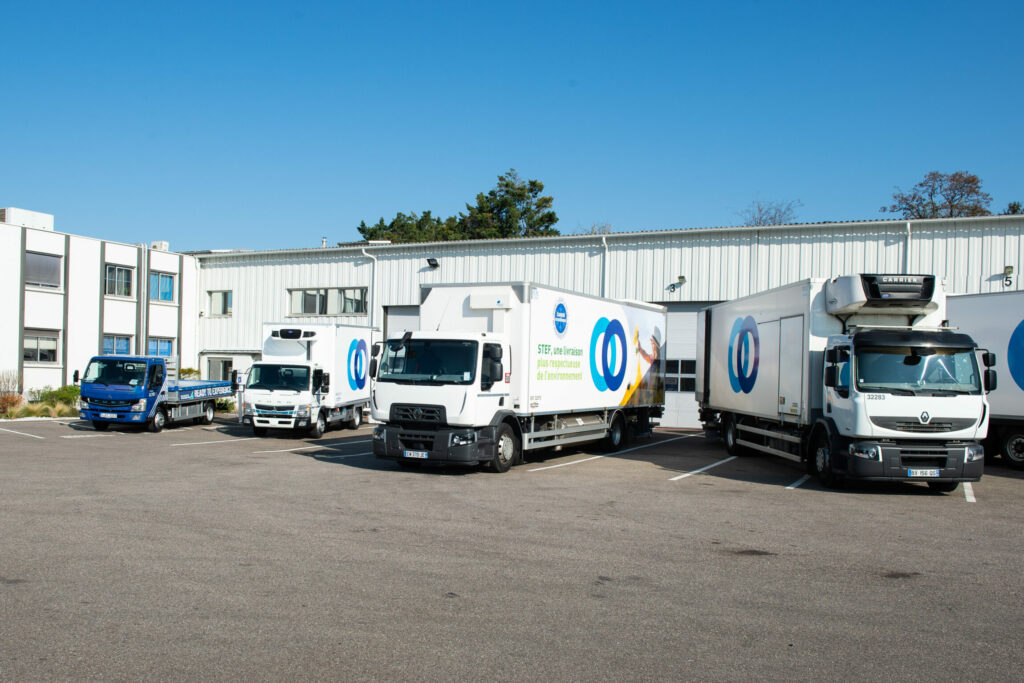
145, 390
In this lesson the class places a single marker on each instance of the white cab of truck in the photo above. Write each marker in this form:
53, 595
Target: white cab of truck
496, 370
310, 376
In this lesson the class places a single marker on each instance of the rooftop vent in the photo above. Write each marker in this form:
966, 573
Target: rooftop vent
160, 246
26, 219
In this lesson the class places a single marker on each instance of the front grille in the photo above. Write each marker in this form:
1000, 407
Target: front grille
273, 409
921, 462
416, 441
108, 403
409, 413
911, 424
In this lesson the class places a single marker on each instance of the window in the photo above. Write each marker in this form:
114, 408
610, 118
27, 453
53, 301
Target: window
161, 287
113, 343
118, 280
680, 375
220, 369
40, 346
42, 270
220, 303
160, 347
350, 301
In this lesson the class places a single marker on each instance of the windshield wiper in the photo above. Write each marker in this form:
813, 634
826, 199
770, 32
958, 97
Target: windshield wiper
897, 391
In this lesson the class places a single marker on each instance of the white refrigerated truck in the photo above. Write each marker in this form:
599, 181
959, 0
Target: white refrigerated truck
858, 376
310, 376
996, 321
499, 369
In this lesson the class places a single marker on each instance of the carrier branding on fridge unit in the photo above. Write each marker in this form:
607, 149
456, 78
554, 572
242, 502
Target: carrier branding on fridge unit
561, 318
744, 355
608, 354
357, 353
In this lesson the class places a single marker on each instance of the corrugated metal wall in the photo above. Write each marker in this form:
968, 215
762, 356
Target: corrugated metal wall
970, 254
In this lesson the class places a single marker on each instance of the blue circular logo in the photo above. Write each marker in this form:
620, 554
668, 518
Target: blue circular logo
744, 355
561, 318
611, 370
1015, 355
357, 353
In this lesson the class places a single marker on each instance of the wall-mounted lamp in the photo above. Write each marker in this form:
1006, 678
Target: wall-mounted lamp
432, 262
680, 281
1008, 271
1008, 276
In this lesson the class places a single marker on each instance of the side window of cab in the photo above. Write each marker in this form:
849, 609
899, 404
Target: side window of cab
156, 377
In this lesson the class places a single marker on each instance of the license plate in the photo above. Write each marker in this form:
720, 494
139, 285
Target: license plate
422, 455
112, 416
922, 473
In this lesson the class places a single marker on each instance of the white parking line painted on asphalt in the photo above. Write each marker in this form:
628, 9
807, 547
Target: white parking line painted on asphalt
799, 482
21, 433
319, 445
702, 469
598, 457
206, 443
343, 456
969, 492
83, 436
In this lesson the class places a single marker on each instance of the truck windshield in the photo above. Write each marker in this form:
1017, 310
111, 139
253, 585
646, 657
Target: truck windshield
428, 361
917, 370
278, 377
115, 371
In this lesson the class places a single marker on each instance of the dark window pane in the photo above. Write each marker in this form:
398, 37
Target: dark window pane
671, 384
672, 367
687, 384
309, 302
688, 367
42, 270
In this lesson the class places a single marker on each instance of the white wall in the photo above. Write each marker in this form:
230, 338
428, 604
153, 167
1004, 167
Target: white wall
10, 296
84, 288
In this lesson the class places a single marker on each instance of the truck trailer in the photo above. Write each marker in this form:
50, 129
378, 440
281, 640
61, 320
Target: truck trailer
858, 377
144, 390
496, 370
310, 376
996, 321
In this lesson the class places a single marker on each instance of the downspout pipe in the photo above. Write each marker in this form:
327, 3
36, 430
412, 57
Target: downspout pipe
373, 287
604, 268
906, 258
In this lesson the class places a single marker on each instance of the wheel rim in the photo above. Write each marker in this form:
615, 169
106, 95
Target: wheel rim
321, 424
730, 434
616, 432
506, 449
159, 419
821, 458
209, 413
1015, 448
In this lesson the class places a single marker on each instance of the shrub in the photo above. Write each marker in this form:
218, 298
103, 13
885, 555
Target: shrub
67, 394
224, 405
188, 373
9, 404
9, 382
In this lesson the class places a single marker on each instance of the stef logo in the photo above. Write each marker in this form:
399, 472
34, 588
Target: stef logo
744, 355
608, 343
357, 353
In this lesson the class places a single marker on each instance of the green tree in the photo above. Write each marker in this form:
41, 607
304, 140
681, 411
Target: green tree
942, 195
770, 213
1013, 209
514, 208
411, 228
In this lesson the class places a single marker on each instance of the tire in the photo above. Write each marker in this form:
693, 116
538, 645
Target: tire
100, 426
506, 449
819, 460
207, 418
616, 437
1013, 448
730, 435
943, 486
259, 431
357, 418
158, 421
317, 429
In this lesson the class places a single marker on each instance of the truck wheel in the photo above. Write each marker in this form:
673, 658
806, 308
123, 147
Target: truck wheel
357, 418
100, 426
259, 431
1013, 448
820, 460
158, 421
731, 435
943, 486
317, 429
207, 418
506, 449
616, 435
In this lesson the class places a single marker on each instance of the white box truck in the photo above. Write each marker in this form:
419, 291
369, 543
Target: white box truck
996, 321
499, 369
310, 376
857, 376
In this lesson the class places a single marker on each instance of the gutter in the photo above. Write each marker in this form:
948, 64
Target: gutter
373, 287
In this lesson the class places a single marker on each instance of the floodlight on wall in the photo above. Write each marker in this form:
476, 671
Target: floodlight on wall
432, 262
680, 281
1008, 276
1008, 271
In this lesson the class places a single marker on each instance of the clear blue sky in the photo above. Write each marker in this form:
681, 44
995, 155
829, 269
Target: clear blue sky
270, 125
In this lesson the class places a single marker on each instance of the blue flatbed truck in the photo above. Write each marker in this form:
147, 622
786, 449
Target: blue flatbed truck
145, 390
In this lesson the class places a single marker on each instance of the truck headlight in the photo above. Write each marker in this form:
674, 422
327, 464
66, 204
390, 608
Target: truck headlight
379, 433
246, 408
139, 407
462, 439
974, 453
303, 411
866, 451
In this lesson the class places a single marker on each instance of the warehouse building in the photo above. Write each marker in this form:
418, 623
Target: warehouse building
209, 306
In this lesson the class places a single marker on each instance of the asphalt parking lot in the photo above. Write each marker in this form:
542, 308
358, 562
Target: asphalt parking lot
205, 553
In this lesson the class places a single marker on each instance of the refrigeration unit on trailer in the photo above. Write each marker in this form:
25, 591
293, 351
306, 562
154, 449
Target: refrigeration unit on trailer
858, 376
499, 369
996, 321
310, 376
144, 390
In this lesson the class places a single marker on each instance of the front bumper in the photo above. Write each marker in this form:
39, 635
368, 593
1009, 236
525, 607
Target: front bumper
898, 461
123, 417
275, 421
399, 442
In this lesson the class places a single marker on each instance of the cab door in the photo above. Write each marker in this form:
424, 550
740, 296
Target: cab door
839, 396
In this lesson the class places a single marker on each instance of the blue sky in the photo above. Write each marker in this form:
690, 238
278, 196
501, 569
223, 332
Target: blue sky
271, 125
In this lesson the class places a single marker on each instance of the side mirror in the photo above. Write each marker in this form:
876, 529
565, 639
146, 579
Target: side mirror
325, 383
75, 377
373, 364
990, 380
234, 381
318, 379
495, 353
988, 358
831, 375
832, 356
376, 350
